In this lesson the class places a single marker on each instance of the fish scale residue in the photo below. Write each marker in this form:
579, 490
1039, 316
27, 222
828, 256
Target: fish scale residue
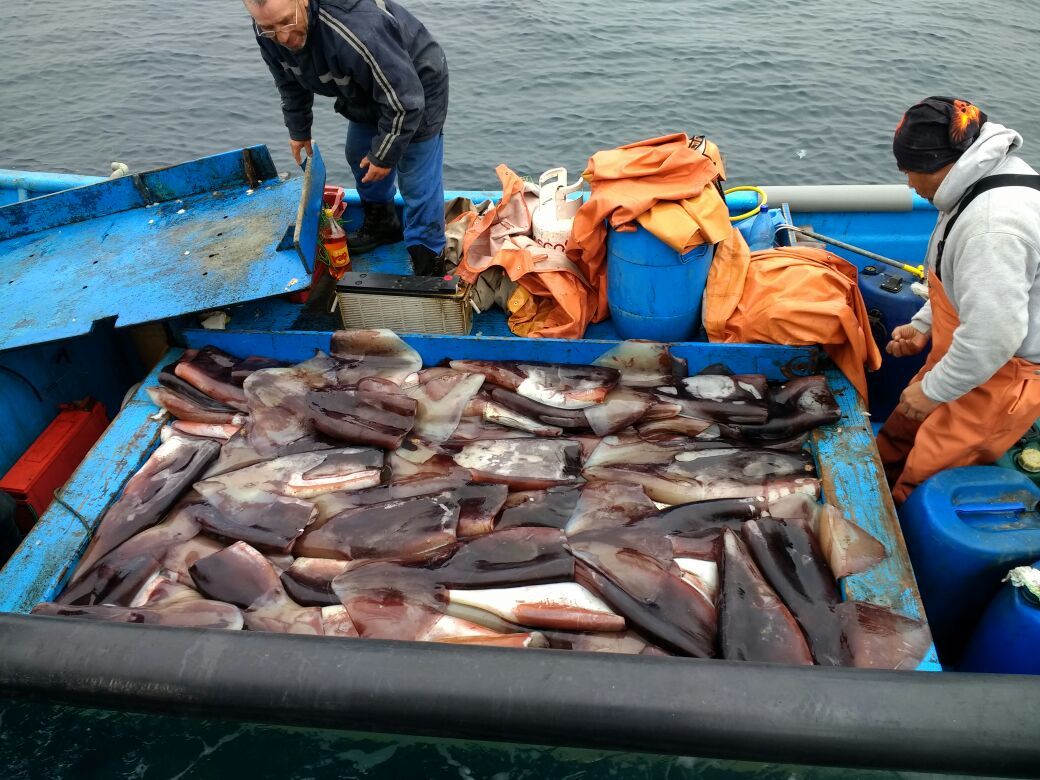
623, 544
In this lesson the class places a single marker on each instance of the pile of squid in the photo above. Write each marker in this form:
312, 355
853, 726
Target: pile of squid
617, 507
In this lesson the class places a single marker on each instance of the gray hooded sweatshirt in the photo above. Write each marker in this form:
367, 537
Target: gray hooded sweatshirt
990, 268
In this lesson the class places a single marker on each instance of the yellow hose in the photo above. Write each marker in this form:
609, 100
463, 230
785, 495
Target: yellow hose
763, 200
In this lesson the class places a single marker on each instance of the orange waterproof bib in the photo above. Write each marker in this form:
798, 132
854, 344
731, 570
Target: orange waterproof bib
976, 428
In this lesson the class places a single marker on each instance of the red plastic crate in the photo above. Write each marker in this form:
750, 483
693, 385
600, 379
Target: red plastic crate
51, 459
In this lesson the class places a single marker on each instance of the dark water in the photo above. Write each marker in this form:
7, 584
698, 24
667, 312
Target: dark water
794, 91
42, 741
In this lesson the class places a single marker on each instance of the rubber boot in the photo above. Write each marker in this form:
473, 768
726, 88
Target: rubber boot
381, 226
426, 262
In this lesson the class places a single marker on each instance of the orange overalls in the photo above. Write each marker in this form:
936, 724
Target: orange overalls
976, 428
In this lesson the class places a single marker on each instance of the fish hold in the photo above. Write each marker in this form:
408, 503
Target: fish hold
390, 601
717, 473
641, 363
796, 408
523, 464
847, 548
205, 430
471, 429
719, 399
376, 413
409, 531
607, 505
550, 508
789, 557
564, 606
116, 581
625, 642
519, 556
309, 580
561, 386
503, 417
180, 558
209, 371
882, 639
621, 408
479, 506
148, 494
335, 621
189, 614
154, 542
701, 516
654, 602
275, 612
376, 352
441, 397
627, 448
671, 427
754, 624
279, 414
238, 574
162, 590
243, 368
184, 408
304, 475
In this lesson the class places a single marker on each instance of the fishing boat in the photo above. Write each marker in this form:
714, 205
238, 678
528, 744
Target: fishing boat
228, 233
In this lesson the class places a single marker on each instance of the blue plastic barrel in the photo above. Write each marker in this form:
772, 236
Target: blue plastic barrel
1007, 640
655, 292
965, 529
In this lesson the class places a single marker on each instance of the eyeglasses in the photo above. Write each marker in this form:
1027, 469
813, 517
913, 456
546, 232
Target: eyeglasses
284, 28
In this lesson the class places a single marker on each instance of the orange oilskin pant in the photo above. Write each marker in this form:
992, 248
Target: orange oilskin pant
976, 428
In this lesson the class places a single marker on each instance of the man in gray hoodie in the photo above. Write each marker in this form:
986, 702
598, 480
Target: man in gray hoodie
978, 391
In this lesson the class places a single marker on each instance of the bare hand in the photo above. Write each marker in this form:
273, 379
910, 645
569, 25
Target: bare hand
906, 340
913, 403
299, 146
373, 172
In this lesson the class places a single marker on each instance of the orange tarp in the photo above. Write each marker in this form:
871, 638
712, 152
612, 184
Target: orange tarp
662, 184
797, 296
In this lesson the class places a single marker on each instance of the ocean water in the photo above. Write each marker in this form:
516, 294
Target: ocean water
793, 91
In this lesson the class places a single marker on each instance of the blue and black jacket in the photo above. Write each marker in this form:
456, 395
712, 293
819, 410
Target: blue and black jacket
378, 61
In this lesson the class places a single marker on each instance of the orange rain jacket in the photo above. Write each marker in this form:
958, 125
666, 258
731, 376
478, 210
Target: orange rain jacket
797, 296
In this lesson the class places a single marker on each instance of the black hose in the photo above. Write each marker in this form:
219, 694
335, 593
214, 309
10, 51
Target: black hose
941, 722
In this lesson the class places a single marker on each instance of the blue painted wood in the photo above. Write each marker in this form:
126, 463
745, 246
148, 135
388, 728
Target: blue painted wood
34, 380
42, 564
194, 237
853, 479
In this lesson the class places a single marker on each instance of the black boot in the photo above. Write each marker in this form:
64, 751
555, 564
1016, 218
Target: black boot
381, 226
426, 262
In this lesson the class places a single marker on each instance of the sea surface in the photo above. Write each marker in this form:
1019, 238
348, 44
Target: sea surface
793, 92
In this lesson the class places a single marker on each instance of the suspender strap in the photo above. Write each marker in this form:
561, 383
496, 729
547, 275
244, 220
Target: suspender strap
982, 185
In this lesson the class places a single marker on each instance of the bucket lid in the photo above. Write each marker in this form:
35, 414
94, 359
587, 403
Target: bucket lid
205, 234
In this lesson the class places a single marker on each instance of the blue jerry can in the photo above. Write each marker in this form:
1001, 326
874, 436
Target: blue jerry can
964, 529
890, 303
655, 292
1007, 640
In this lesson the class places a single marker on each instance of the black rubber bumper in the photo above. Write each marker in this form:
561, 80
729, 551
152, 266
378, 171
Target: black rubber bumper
978, 724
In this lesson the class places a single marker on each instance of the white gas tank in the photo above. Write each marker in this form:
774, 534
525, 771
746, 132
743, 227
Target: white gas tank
554, 216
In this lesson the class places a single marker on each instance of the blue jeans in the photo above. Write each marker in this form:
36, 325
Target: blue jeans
421, 175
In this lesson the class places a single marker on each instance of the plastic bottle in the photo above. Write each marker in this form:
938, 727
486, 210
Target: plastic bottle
334, 239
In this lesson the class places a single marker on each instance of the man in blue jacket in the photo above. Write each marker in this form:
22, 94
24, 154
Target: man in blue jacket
390, 79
